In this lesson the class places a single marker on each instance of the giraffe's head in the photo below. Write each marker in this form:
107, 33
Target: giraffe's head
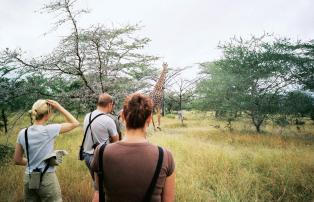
165, 66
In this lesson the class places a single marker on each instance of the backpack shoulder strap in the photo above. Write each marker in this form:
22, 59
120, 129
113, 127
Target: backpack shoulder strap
152, 185
88, 125
26, 145
101, 173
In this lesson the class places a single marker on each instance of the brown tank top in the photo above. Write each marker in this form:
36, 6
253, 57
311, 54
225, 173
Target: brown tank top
129, 169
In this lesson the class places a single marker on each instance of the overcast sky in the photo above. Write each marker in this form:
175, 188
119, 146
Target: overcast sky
183, 32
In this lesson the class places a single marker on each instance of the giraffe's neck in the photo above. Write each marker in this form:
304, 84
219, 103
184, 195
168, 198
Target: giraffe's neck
161, 81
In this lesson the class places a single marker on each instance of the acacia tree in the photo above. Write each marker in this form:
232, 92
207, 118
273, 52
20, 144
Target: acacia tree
105, 59
12, 88
171, 80
215, 91
250, 76
216, 94
17, 96
301, 58
181, 92
297, 103
102, 59
175, 87
302, 55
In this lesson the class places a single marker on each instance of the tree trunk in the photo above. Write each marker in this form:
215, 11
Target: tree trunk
258, 127
216, 114
236, 114
257, 121
180, 102
182, 120
5, 121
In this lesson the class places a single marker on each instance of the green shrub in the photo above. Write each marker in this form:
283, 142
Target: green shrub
6, 153
171, 116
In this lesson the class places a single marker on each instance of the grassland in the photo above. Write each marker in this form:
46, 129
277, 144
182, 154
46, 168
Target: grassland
212, 163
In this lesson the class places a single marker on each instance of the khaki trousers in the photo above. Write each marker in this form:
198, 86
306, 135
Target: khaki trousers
49, 190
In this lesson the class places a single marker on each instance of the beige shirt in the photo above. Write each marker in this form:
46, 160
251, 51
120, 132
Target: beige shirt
129, 169
103, 128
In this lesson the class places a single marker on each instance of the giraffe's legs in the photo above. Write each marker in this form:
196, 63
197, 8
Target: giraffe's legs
158, 118
153, 121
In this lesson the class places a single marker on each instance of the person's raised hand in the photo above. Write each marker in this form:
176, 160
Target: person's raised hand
54, 104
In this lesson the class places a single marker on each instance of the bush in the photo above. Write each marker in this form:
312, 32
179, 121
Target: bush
6, 153
281, 121
312, 115
171, 116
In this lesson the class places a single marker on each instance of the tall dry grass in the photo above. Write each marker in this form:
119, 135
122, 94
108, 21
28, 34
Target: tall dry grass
212, 164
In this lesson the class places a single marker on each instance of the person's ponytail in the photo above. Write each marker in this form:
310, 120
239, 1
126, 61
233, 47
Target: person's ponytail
39, 110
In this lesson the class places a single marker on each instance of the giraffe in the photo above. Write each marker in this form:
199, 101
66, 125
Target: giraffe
157, 94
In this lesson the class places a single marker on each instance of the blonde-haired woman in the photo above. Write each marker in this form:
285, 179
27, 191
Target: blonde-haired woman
37, 142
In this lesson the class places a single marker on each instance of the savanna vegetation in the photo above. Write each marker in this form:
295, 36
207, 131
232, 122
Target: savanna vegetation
212, 163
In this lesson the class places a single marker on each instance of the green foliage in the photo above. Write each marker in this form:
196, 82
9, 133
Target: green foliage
281, 121
312, 114
182, 92
170, 116
302, 57
298, 103
86, 62
216, 90
252, 76
6, 153
103, 59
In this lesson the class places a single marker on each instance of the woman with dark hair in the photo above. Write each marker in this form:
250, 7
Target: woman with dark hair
37, 142
134, 169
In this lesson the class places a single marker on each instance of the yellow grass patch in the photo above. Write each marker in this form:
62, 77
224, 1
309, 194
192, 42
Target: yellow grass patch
212, 164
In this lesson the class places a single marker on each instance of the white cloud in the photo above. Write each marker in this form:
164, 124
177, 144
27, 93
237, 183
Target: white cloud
183, 32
